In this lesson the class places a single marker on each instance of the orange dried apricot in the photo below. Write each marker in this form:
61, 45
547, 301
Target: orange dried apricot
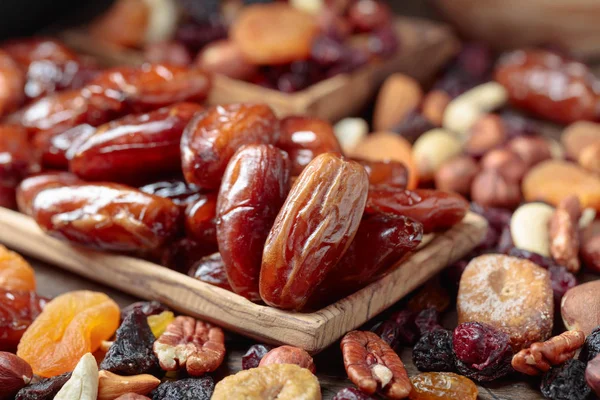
70, 326
15, 272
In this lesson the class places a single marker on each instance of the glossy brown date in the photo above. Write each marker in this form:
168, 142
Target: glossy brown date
135, 148
435, 209
177, 190
182, 254
201, 218
550, 86
12, 81
31, 186
57, 149
152, 86
304, 138
255, 185
313, 230
16, 158
211, 138
7, 196
210, 269
381, 241
106, 216
386, 173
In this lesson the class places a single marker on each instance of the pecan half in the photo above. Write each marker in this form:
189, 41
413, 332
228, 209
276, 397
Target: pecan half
541, 356
372, 364
564, 234
198, 346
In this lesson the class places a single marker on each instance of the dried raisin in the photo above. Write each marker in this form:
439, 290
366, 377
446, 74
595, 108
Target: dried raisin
45, 389
252, 357
433, 352
185, 389
566, 382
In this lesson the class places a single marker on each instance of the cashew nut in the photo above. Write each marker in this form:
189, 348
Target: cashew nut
83, 384
434, 148
529, 228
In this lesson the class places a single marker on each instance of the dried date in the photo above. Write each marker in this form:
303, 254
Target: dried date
211, 269
313, 230
134, 148
201, 218
18, 309
13, 80
182, 254
16, 159
212, 137
106, 216
30, 187
254, 187
436, 210
386, 173
304, 138
549, 85
57, 149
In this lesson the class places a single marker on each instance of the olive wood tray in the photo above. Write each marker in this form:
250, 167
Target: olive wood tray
311, 331
424, 47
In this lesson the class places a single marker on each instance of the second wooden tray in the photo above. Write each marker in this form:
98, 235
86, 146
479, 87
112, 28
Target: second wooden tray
311, 331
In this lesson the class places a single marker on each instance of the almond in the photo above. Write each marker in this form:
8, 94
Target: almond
578, 136
111, 386
399, 95
434, 105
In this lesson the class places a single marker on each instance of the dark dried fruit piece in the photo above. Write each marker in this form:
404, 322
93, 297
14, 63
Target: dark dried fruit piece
210, 269
408, 332
45, 389
106, 216
428, 320
433, 352
185, 389
566, 382
304, 138
436, 210
134, 148
389, 332
252, 357
591, 347
201, 218
177, 190
148, 308
131, 353
386, 173
254, 187
18, 309
182, 254
351, 394
313, 230
212, 137
483, 353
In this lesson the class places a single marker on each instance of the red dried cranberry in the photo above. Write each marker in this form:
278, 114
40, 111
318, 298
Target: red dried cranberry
505, 242
351, 394
389, 331
488, 242
254, 354
433, 352
326, 51
383, 42
498, 218
195, 36
407, 330
428, 320
477, 60
483, 353
566, 381
562, 280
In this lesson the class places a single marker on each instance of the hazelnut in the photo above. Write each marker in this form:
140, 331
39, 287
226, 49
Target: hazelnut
580, 307
432, 149
485, 134
399, 95
457, 174
224, 57
589, 158
491, 189
508, 163
532, 150
434, 105
592, 374
289, 355
590, 253
15, 374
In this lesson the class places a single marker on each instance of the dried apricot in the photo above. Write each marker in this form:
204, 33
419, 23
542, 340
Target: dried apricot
15, 272
158, 323
442, 386
274, 33
70, 326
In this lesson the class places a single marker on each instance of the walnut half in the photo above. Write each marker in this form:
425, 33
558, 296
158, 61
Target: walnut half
196, 345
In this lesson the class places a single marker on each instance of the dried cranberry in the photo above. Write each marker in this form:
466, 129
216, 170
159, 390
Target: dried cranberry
412, 126
488, 242
562, 280
389, 331
195, 36
498, 218
566, 382
254, 354
185, 389
407, 329
428, 320
148, 308
351, 394
477, 60
383, 42
200, 11
483, 353
505, 242
326, 51
591, 347
518, 125
433, 352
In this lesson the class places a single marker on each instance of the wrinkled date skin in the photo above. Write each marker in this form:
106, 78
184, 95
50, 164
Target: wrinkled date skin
201, 218
211, 138
304, 138
57, 149
373, 365
16, 158
30, 187
211, 269
12, 80
152, 86
381, 240
106, 216
386, 173
435, 209
182, 254
134, 148
176, 189
255, 185
18, 309
548, 85
313, 230
51, 66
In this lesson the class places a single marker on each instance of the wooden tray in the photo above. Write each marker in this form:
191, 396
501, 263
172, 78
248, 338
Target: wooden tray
311, 331
424, 47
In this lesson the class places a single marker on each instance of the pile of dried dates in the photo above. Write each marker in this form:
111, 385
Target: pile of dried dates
281, 45
297, 213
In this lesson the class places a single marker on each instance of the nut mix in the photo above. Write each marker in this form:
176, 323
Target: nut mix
297, 214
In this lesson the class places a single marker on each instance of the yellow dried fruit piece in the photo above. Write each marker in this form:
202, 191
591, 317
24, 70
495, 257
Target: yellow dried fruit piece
158, 323
442, 386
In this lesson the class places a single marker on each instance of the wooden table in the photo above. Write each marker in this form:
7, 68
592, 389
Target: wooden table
53, 281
